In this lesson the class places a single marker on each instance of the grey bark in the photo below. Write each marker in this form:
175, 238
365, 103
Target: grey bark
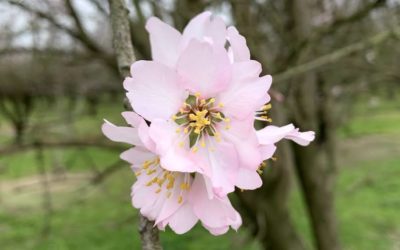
313, 167
125, 57
268, 218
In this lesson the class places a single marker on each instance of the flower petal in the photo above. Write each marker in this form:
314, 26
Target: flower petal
224, 165
267, 151
154, 90
204, 27
245, 98
136, 156
183, 219
248, 179
204, 68
173, 157
213, 213
138, 122
242, 135
301, 138
217, 231
238, 44
164, 40
121, 134
273, 134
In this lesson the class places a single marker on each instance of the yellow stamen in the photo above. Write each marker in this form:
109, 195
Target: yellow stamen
266, 107
195, 149
180, 199
158, 190
184, 186
147, 164
150, 171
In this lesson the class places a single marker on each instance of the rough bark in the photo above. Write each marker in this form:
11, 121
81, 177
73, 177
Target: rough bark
268, 218
125, 57
312, 165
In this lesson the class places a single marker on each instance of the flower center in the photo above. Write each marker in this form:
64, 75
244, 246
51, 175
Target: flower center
165, 181
198, 118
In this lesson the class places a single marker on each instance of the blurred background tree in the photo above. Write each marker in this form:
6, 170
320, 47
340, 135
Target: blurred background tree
335, 67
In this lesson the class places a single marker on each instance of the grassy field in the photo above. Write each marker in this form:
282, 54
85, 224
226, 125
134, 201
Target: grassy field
81, 215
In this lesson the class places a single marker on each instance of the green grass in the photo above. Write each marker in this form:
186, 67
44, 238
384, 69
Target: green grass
86, 216
367, 187
83, 216
94, 217
368, 199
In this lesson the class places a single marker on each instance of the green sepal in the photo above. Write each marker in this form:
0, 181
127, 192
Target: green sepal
209, 131
191, 100
193, 137
181, 121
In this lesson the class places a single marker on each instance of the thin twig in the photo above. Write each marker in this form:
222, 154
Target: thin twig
18, 148
337, 55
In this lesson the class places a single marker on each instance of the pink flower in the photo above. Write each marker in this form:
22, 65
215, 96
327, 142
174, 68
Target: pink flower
177, 199
270, 135
201, 93
200, 99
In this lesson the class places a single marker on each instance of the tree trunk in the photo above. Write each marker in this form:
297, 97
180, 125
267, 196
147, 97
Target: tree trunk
268, 217
312, 112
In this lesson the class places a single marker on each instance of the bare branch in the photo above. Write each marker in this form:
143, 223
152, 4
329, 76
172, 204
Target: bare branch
121, 36
358, 15
139, 11
78, 34
14, 148
125, 56
100, 7
337, 55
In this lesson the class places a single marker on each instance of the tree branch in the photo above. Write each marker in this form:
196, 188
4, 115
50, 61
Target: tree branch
337, 55
122, 41
14, 148
358, 15
124, 50
78, 34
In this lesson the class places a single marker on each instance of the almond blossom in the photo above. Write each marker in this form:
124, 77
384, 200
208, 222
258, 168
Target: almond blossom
200, 93
177, 199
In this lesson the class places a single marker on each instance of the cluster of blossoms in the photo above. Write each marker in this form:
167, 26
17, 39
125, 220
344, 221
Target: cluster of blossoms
201, 94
